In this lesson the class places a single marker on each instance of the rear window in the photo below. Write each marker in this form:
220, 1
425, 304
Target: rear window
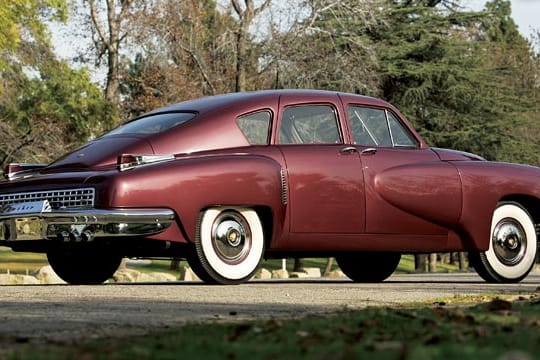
256, 127
152, 124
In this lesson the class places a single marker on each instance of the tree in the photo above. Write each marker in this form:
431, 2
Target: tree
45, 106
327, 49
433, 67
109, 24
177, 56
21, 21
187, 49
517, 63
21, 16
246, 14
55, 109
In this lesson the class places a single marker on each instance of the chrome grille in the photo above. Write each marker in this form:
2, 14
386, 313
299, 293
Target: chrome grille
59, 199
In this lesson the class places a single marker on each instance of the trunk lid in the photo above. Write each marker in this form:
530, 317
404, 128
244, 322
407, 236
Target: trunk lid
101, 154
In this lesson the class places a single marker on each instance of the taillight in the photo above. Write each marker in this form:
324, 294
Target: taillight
12, 170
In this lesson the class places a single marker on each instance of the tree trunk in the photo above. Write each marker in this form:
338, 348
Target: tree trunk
108, 40
298, 265
328, 267
432, 263
246, 15
420, 263
462, 261
113, 80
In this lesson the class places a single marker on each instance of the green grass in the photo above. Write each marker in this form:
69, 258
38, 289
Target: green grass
20, 263
406, 265
434, 331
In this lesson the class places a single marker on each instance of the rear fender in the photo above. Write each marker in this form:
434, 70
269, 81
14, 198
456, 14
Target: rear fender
188, 186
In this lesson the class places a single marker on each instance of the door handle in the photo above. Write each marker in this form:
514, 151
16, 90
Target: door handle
369, 151
348, 150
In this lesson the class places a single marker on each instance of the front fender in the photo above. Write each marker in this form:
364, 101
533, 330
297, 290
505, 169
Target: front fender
485, 184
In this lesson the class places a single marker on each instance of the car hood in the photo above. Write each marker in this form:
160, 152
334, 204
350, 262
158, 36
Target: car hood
101, 154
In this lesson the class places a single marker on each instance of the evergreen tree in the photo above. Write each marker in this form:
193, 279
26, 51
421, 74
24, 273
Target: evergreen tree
433, 67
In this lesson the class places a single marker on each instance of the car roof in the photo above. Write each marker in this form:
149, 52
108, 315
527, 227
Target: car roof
211, 103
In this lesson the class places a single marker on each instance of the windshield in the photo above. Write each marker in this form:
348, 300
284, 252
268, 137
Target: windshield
152, 124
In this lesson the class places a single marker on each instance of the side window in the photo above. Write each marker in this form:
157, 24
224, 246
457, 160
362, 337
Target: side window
255, 127
378, 127
369, 126
309, 124
400, 134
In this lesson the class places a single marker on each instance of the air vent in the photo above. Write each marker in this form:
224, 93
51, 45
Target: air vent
283, 187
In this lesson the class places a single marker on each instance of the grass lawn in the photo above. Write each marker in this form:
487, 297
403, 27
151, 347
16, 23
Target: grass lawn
22, 263
496, 329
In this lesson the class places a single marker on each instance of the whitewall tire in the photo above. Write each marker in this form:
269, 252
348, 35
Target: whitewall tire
512, 246
230, 244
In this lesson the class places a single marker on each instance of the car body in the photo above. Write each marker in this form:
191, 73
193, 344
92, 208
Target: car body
227, 180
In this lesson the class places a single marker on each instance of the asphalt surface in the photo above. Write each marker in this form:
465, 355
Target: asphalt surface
68, 313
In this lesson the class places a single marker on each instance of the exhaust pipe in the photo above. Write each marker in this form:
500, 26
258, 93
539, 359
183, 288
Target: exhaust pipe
65, 236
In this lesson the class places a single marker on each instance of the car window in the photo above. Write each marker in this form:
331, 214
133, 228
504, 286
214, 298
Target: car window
369, 126
152, 124
309, 124
378, 127
400, 134
255, 127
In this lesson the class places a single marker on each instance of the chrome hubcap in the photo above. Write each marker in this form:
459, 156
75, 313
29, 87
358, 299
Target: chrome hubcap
231, 237
509, 241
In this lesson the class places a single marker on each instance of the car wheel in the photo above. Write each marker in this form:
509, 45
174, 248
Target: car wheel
229, 245
512, 247
195, 264
368, 266
83, 266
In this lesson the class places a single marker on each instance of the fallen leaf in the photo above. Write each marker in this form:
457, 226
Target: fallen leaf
388, 345
498, 305
310, 340
515, 355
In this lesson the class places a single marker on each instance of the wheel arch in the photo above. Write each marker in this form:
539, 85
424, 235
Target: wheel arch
531, 204
485, 186
509, 257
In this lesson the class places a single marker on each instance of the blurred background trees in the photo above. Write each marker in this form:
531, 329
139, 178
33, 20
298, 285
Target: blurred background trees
466, 79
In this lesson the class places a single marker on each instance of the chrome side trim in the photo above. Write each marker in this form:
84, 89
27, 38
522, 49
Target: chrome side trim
129, 161
84, 224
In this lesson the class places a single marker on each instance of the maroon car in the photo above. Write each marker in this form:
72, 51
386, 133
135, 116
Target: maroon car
228, 180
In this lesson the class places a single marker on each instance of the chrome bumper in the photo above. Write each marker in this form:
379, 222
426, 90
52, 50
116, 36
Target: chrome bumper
80, 224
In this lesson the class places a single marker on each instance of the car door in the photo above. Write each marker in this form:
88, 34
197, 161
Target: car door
324, 175
408, 189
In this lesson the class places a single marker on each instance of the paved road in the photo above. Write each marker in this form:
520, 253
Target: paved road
64, 312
